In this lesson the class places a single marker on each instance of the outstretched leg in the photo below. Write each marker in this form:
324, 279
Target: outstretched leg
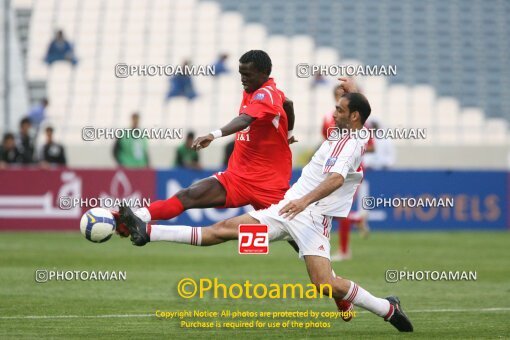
206, 193
220, 232
319, 270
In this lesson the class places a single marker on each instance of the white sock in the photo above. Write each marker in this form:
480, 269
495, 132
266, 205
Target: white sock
360, 297
176, 233
143, 214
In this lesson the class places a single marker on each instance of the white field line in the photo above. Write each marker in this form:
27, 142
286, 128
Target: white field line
112, 316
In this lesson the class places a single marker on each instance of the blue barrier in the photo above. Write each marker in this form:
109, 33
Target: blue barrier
480, 199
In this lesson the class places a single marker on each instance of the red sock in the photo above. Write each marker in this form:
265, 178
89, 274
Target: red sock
165, 210
343, 235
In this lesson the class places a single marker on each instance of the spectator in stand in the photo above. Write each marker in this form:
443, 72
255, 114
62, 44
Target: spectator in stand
318, 80
181, 85
38, 113
186, 156
26, 142
52, 153
9, 153
132, 152
219, 65
60, 50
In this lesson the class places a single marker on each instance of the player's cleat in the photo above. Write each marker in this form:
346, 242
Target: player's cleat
346, 308
397, 317
120, 228
136, 226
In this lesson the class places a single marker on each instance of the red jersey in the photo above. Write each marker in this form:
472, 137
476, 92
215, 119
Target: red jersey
261, 152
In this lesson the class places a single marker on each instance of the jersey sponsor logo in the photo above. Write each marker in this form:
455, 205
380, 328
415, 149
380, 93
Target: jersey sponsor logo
253, 239
331, 161
259, 96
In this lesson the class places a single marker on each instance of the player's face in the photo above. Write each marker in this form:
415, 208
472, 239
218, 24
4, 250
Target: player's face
9, 143
251, 78
342, 116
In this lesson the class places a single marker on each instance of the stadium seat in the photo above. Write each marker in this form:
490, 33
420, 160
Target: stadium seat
430, 93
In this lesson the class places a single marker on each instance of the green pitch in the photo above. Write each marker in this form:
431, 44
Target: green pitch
93, 309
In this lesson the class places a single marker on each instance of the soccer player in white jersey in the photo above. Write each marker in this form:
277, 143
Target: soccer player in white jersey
325, 190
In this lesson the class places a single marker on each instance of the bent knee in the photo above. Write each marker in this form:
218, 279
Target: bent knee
322, 283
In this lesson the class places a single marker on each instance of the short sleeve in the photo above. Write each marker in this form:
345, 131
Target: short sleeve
344, 157
260, 105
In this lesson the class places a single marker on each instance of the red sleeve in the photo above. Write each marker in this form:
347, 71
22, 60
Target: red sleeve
260, 105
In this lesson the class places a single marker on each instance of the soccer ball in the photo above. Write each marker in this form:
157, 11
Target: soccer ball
97, 225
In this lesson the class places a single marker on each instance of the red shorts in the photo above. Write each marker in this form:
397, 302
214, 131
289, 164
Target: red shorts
240, 192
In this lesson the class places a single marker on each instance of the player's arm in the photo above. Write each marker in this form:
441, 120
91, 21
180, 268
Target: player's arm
288, 106
237, 124
332, 182
348, 85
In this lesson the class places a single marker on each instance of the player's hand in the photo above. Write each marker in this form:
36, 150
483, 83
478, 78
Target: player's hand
291, 209
348, 85
292, 140
202, 142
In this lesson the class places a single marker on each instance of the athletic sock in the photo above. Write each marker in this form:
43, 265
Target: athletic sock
165, 210
360, 297
175, 233
343, 235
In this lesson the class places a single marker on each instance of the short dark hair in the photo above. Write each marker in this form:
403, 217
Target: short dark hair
190, 134
260, 60
49, 129
8, 135
24, 121
358, 102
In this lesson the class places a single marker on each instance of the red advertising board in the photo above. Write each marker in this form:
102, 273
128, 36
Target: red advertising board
35, 199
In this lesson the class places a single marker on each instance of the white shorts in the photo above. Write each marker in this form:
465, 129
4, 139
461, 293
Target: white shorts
308, 229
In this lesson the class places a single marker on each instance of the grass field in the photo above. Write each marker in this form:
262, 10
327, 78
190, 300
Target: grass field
93, 309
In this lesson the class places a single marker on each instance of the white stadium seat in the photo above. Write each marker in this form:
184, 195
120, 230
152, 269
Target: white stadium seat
109, 32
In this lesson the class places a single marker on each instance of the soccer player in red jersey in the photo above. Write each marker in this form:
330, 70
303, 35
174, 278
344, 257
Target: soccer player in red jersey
259, 169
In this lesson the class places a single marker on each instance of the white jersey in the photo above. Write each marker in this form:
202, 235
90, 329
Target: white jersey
343, 157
